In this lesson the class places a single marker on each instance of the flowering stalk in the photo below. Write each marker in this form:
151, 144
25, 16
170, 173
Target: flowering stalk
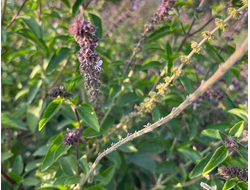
122, 18
240, 51
90, 65
234, 172
160, 14
72, 137
150, 103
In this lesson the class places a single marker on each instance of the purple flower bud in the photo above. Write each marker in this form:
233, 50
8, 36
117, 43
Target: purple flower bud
72, 137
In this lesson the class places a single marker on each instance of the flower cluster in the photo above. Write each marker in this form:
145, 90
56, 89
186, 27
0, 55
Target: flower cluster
72, 137
231, 144
207, 35
245, 2
90, 65
161, 14
233, 12
212, 94
234, 172
195, 46
220, 23
59, 92
185, 60
121, 18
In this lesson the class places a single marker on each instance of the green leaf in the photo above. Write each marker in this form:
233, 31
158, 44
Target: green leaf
151, 64
21, 93
143, 161
213, 53
115, 158
151, 147
229, 184
127, 98
72, 180
186, 82
183, 173
33, 26
59, 55
30, 181
166, 167
12, 122
127, 147
50, 111
243, 152
69, 85
69, 165
18, 165
96, 21
33, 115
33, 164
61, 149
83, 162
49, 158
212, 133
237, 129
240, 113
197, 171
242, 185
60, 180
33, 91
96, 187
37, 41
66, 2
159, 33
219, 126
218, 157
192, 128
18, 179
6, 156
3, 35
228, 76
89, 133
190, 154
169, 58
107, 175
87, 113
114, 91
151, 47
76, 6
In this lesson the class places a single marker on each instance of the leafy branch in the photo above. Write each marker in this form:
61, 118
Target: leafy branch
240, 51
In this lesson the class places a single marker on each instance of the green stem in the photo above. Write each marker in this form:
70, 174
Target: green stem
4, 9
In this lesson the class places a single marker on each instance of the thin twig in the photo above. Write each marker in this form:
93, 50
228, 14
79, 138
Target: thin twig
240, 51
4, 9
189, 182
16, 15
64, 64
9, 180
174, 76
40, 11
202, 27
77, 158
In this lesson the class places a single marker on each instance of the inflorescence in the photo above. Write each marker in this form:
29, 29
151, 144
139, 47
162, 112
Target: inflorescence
234, 172
72, 137
59, 92
90, 63
211, 94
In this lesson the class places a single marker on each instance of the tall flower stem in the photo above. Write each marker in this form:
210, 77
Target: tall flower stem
9, 180
4, 9
240, 51
16, 15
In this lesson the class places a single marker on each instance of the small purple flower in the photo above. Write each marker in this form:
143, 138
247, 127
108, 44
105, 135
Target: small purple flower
98, 65
72, 137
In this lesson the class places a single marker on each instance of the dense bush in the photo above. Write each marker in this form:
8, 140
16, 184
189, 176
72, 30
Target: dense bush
120, 94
